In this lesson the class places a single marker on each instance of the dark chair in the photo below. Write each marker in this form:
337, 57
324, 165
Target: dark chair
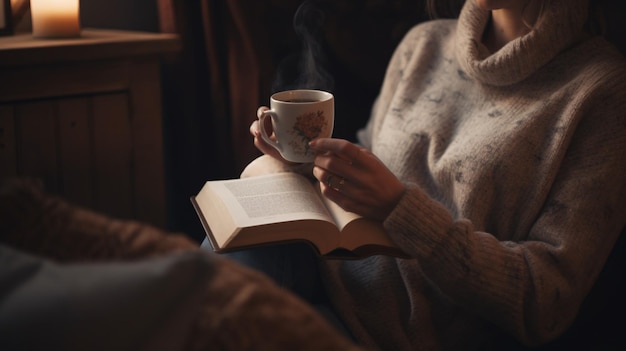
601, 321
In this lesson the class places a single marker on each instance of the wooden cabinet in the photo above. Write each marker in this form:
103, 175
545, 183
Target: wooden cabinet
84, 115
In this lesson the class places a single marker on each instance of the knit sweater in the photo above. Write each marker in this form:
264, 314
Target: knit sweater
515, 171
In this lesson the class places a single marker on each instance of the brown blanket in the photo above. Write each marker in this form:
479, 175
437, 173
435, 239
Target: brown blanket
239, 310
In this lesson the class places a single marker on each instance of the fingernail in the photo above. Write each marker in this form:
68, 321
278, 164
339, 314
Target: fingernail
312, 143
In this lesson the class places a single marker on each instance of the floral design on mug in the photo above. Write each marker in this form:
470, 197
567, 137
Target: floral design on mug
308, 126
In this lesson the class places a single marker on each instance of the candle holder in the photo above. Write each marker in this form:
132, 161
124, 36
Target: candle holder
55, 18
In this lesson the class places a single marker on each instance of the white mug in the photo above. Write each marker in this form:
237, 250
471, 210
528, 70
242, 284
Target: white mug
299, 116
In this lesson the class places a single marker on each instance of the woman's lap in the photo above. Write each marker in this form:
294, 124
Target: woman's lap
292, 266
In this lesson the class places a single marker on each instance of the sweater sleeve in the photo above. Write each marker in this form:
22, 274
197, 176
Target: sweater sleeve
532, 288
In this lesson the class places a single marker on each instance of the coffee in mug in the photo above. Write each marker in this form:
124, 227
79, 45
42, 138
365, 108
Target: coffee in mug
298, 116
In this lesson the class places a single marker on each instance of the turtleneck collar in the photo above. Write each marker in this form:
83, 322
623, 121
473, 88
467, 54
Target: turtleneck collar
558, 27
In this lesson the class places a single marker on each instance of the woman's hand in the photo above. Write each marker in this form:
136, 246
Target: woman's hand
355, 179
260, 143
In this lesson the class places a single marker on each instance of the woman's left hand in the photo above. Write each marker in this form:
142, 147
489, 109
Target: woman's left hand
355, 179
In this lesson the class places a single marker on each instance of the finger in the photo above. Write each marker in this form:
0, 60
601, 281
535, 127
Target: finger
258, 141
336, 165
336, 146
344, 149
328, 178
260, 144
358, 171
335, 182
350, 197
255, 126
254, 129
321, 174
260, 110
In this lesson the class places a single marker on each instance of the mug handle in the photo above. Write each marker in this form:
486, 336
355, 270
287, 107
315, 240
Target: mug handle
272, 114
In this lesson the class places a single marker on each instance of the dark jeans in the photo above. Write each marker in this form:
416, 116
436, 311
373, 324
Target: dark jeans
294, 267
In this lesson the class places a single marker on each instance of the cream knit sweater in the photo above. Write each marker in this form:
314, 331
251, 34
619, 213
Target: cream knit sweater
515, 165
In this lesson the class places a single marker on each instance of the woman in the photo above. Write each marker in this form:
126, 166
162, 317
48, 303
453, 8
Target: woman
495, 157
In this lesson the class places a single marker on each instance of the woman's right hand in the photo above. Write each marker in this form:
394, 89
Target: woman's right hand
260, 144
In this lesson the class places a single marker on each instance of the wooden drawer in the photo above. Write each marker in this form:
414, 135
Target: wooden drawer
88, 120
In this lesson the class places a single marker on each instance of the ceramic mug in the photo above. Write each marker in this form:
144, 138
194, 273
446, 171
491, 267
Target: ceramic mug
298, 116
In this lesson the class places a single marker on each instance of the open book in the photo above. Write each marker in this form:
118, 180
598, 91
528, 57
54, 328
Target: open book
285, 207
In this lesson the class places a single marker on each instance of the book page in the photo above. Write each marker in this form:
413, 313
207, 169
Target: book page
340, 216
273, 198
358, 231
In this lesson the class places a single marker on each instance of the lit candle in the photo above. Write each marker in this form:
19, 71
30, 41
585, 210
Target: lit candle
55, 18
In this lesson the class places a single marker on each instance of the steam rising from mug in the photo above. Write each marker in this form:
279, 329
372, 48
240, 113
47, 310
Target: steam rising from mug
309, 71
